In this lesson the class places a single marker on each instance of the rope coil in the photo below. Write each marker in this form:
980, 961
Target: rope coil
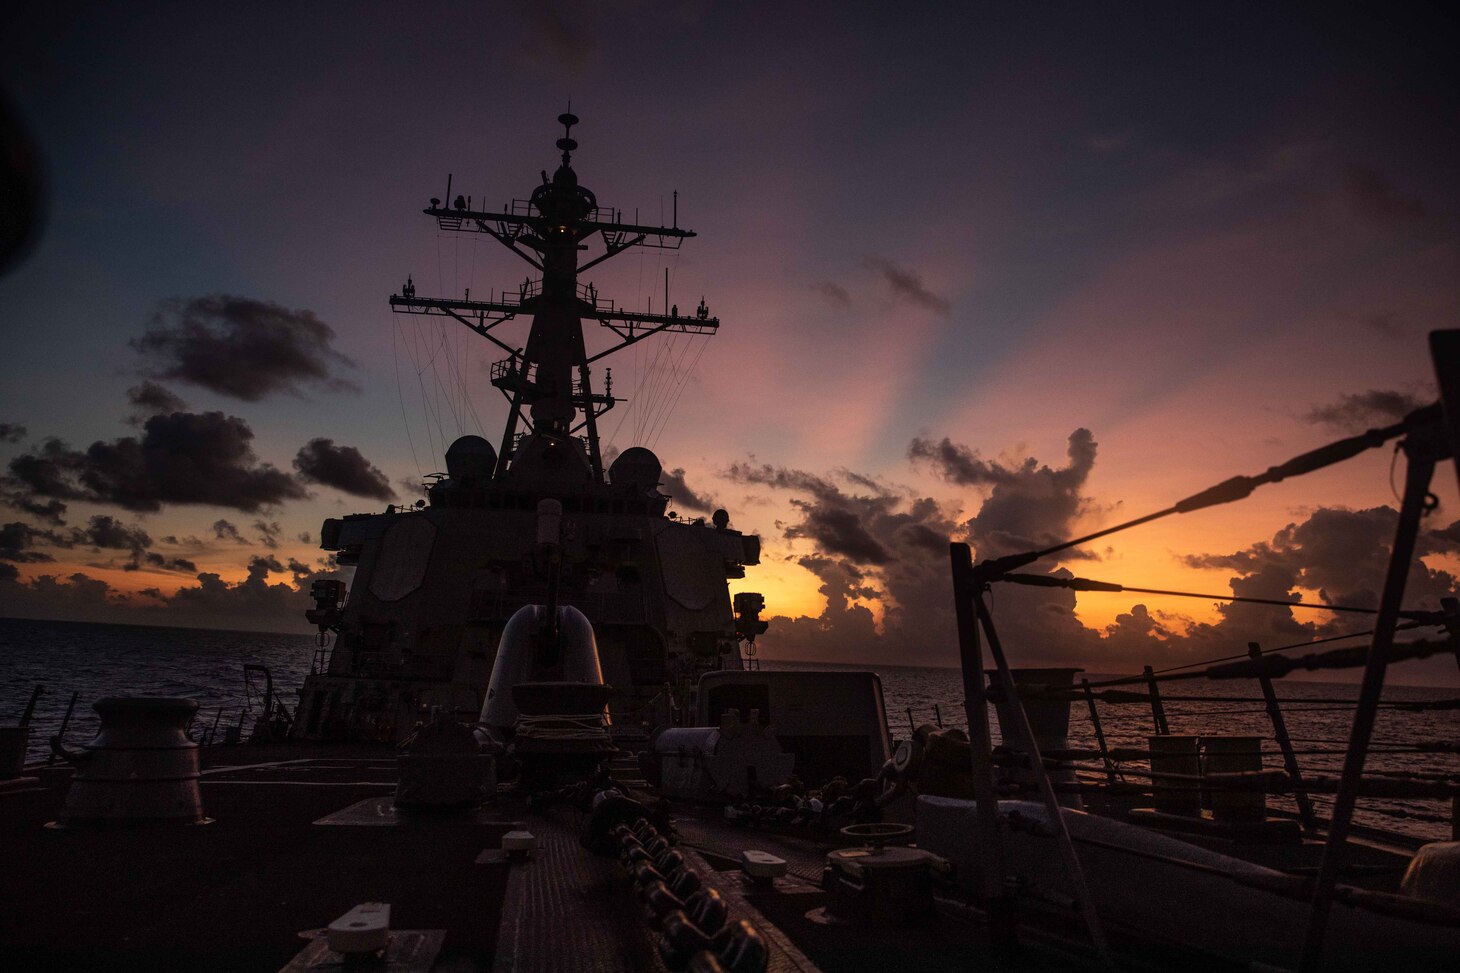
563, 726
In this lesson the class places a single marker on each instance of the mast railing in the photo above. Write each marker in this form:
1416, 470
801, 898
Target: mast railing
513, 372
520, 216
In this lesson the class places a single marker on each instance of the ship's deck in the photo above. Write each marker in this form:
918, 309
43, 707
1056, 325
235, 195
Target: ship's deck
302, 833
235, 894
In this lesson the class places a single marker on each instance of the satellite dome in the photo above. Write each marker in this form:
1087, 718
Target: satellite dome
636, 468
471, 457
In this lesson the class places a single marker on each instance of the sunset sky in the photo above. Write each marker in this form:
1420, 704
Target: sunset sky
1001, 275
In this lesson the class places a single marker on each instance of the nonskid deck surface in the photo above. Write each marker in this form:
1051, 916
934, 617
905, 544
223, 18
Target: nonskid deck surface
299, 835
235, 894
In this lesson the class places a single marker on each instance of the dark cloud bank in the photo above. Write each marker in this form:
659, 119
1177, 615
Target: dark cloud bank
22, 543
180, 458
902, 284
1358, 411
257, 603
185, 458
683, 495
151, 399
872, 540
240, 347
233, 346
342, 467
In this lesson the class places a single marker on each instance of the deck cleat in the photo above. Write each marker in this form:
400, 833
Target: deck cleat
761, 867
519, 845
362, 931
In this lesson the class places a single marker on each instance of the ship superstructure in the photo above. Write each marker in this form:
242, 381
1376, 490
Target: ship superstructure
435, 584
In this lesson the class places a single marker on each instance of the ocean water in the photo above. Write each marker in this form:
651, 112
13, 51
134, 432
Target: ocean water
1319, 730
94, 661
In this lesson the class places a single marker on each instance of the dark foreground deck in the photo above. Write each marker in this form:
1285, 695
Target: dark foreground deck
299, 835
235, 894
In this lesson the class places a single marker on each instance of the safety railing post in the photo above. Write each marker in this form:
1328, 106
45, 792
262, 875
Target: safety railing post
65, 724
1099, 731
1158, 712
1424, 447
1284, 742
993, 892
1024, 739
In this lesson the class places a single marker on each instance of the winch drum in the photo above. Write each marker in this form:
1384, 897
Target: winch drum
140, 769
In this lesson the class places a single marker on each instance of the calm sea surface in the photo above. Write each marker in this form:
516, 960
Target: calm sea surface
123, 660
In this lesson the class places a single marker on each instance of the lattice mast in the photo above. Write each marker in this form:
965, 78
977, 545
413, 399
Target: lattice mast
548, 382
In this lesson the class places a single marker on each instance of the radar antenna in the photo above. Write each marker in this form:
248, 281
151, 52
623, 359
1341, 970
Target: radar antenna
547, 381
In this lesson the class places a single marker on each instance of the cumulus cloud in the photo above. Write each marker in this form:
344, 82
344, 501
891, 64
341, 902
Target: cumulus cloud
241, 347
342, 467
876, 545
19, 543
164, 563
269, 532
264, 564
18, 540
108, 532
151, 399
181, 458
1342, 555
77, 597
1357, 411
905, 284
873, 542
1029, 506
11, 433
252, 604
684, 496
226, 530
1338, 555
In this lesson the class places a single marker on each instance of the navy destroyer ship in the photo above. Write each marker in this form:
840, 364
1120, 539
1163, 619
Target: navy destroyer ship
436, 584
539, 743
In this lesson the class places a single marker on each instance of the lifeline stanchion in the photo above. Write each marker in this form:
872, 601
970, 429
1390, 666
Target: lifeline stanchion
1025, 735
1285, 744
1424, 446
65, 723
993, 891
1099, 731
35, 695
1158, 712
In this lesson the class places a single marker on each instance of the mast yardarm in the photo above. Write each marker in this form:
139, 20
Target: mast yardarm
548, 381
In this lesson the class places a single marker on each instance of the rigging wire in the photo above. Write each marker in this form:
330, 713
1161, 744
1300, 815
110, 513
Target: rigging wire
654, 382
400, 391
683, 379
649, 392
1238, 487
674, 380
1280, 648
425, 398
1087, 584
684, 383
457, 360
443, 350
